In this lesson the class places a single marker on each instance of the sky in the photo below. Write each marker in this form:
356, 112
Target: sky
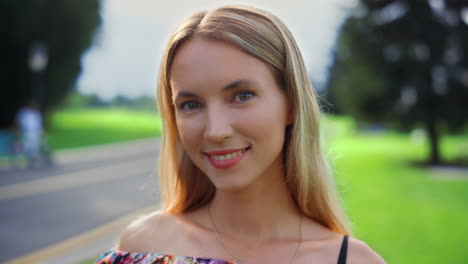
124, 59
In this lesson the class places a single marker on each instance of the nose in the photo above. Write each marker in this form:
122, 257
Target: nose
218, 125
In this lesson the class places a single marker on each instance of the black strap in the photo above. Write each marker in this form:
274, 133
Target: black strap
343, 251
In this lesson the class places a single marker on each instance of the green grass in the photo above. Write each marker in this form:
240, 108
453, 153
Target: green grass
84, 127
409, 215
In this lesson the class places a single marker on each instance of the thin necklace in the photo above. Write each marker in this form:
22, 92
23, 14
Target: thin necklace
242, 261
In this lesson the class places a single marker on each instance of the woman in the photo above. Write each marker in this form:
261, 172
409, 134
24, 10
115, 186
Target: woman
243, 177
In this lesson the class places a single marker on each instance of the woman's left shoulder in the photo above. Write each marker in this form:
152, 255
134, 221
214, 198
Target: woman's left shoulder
360, 253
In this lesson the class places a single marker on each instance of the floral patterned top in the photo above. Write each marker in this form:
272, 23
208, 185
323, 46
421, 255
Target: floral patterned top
115, 256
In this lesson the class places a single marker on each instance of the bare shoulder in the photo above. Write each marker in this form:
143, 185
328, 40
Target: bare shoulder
360, 252
146, 233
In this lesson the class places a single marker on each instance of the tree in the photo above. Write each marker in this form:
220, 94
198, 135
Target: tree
78, 100
62, 28
406, 63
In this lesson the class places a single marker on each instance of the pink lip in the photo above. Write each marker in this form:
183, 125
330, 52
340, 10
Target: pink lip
225, 164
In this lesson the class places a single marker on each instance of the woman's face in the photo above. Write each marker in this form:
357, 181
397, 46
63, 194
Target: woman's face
231, 115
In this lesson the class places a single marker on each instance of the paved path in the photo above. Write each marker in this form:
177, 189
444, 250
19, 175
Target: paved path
75, 210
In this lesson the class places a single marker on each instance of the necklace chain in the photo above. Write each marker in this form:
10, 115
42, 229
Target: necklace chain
218, 236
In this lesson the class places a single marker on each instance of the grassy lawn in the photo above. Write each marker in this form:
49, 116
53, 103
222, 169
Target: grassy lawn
409, 215
84, 127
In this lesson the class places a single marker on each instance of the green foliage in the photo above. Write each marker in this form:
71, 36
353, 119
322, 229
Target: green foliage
404, 63
142, 102
77, 100
65, 27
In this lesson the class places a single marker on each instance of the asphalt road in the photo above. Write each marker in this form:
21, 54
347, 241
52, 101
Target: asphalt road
85, 189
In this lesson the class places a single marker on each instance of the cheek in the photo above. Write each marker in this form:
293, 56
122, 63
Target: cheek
265, 122
190, 131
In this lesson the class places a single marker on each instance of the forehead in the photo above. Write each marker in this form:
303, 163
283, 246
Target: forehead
205, 63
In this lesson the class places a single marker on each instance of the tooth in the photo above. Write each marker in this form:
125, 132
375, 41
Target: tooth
228, 156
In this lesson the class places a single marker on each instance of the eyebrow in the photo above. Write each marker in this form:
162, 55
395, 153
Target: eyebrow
230, 86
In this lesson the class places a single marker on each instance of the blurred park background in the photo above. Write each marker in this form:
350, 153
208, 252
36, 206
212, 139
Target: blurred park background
392, 76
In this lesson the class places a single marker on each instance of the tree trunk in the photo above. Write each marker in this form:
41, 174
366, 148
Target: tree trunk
434, 155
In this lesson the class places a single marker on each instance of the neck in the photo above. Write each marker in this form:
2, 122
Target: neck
260, 212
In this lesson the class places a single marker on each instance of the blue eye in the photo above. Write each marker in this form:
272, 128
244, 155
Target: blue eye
243, 96
190, 106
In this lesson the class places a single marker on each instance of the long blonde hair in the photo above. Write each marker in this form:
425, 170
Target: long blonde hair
258, 33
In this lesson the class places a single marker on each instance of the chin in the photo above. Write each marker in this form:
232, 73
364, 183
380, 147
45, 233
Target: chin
231, 186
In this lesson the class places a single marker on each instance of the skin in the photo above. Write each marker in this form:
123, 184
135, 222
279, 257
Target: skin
235, 104
252, 112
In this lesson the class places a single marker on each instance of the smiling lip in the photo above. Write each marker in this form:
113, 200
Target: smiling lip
225, 164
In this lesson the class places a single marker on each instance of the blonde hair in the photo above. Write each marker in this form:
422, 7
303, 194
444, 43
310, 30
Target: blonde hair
258, 33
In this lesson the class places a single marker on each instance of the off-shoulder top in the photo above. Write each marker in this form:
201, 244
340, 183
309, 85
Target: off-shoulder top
115, 256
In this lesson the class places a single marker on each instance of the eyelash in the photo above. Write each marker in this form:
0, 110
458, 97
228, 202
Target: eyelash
184, 104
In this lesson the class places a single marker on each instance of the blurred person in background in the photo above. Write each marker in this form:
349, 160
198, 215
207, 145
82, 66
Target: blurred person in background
243, 176
29, 123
